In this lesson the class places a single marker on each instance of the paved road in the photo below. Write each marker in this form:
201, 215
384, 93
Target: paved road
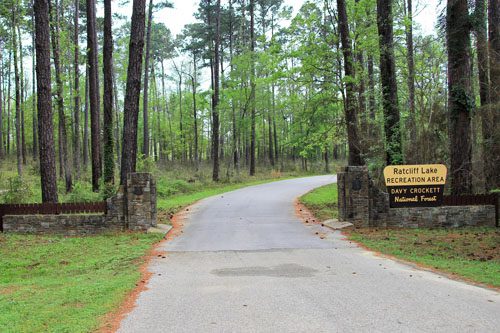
245, 263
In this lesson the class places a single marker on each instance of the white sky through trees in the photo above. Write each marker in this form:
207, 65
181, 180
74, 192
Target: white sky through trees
425, 13
183, 13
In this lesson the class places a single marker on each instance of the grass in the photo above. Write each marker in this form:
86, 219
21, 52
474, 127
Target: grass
59, 284
322, 202
472, 253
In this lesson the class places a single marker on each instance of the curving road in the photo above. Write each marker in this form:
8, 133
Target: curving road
245, 263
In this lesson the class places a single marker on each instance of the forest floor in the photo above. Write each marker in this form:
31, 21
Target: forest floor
468, 253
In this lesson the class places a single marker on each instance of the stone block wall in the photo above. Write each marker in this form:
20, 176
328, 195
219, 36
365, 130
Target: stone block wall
364, 205
133, 207
68, 225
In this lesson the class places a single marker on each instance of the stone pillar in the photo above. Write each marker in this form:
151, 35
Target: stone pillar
353, 185
141, 201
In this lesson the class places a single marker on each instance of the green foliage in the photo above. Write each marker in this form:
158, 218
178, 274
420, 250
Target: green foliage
82, 192
167, 187
19, 191
145, 164
59, 284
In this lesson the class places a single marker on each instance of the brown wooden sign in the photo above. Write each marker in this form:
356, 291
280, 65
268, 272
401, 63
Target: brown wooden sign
415, 185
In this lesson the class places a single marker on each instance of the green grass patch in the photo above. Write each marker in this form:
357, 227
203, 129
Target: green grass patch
322, 202
473, 253
58, 284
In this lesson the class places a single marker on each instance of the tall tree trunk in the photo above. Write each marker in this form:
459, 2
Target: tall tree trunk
350, 107
484, 93
63, 146
371, 96
460, 101
275, 132
33, 89
132, 92
93, 94
145, 98
8, 101
215, 98
23, 96
253, 87
86, 121
233, 107
44, 103
1, 103
492, 137
389, 83
195, 114
117, 116
411, 70
18, 95
76, 131
109, 163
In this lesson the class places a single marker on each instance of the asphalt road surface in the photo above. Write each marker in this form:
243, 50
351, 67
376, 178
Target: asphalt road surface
246, 263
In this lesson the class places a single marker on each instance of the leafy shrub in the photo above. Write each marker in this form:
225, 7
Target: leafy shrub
145, 164
168, 188
82, 192
19, 191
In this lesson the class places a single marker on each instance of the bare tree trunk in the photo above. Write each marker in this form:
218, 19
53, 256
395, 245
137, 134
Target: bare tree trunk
492, 138
44, 104
389, 83
350, 111
145, 98
411, 70
1, 103
8, 101
76, 138
117, 116
253, 87
33, 90
18, 96
371, 96
93, 94
63, 146
460, 102
484, 85
86, 121
270, 133
195, 114
215, 105
132, 93
109, 163
23, 97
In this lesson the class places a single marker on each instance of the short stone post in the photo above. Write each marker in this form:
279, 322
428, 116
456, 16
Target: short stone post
353, 185
141, 201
